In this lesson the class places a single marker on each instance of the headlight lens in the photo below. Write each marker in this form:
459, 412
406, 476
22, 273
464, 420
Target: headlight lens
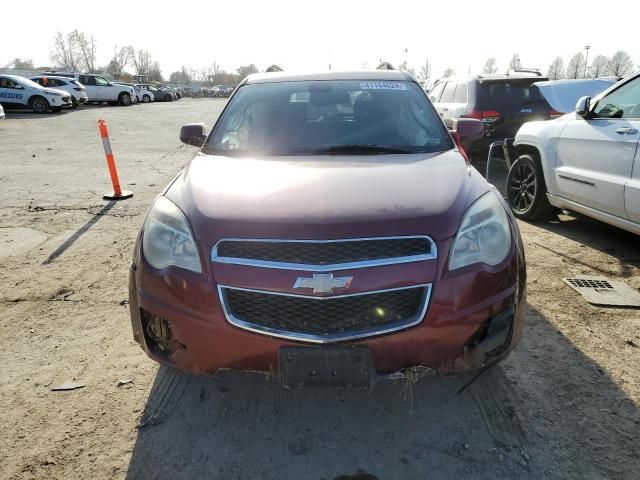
484, 235
167, 238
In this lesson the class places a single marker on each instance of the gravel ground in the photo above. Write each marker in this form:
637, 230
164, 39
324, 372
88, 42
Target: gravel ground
565, 404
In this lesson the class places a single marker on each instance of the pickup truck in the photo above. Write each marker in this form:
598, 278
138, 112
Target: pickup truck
329, 229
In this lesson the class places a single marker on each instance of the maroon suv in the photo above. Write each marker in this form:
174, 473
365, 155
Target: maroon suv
329, 229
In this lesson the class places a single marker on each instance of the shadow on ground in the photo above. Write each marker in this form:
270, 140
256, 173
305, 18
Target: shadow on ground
613, 241
541, 414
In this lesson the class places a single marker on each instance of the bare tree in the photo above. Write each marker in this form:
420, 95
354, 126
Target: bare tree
575, 67
598, 66
86, 48
155, 72
490, 66
514, 63
620, 64
121, 58
556, 69
64, 53
425, 71
448, 72
142, 62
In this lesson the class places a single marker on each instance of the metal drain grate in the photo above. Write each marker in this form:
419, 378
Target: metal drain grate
602, 291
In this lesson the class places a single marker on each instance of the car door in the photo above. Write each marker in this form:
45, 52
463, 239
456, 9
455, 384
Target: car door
447, 103
12, 94
89, 83
595, 154
460, 100
434, 95
105, 90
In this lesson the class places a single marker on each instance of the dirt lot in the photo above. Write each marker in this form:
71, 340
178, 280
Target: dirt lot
565, 404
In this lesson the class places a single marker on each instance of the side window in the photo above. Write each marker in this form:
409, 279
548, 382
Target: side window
101, 82
622, 103
436, 91
449, 93
461, 93
39, 81
87, 80
7, 83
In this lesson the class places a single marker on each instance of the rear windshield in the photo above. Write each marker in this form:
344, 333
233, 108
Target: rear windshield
507, 93
308, 117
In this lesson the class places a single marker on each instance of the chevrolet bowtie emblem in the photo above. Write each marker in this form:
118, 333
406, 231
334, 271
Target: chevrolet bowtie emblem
323, 282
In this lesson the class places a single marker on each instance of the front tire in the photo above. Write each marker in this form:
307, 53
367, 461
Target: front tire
146, 99
74, 102
39, 104
526, 190
124, 99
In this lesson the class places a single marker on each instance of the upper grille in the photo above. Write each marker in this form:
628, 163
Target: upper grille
324, 254
325, 319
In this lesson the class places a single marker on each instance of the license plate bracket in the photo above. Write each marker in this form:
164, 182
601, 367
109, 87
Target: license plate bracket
326, 367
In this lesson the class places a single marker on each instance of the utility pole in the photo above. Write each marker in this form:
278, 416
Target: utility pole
586, 60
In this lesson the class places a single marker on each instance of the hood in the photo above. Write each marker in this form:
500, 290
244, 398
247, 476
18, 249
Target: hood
326, 197
563, 95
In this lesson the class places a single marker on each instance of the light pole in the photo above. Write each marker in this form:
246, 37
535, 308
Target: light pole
586, 59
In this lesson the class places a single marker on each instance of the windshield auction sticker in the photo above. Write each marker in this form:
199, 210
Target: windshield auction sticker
382, 86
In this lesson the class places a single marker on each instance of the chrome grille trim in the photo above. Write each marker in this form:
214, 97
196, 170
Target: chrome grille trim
329, 338
431, 255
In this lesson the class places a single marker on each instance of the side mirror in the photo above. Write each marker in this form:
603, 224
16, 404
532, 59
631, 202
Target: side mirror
583, 106
466, 130
193, 134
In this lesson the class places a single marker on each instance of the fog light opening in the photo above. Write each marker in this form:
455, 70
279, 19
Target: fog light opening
158, 334
493, 337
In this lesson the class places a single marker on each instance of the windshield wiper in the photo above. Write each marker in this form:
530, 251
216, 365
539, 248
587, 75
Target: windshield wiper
354, 149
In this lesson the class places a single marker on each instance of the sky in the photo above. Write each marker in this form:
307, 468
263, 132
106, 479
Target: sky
311, 35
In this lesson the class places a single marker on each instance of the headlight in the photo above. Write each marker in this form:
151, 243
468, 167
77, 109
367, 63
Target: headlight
484, 235
167, 238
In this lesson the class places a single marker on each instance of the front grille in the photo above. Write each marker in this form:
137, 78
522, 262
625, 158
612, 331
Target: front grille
325, 319
325, 253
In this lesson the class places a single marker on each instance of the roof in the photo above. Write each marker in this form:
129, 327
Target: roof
382, 75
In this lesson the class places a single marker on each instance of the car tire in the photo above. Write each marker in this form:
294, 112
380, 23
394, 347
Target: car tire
74, 102
124, 99
39, 104
167, 98
527, 191
146, 99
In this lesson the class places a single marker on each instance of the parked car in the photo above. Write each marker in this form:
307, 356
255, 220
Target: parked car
1, 112
99, 89
160, 95
501, 102
20, 92
147, 95
74, 88
329, 228
587, 161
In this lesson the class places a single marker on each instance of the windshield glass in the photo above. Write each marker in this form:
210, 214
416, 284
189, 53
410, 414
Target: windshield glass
315, 117
25, 82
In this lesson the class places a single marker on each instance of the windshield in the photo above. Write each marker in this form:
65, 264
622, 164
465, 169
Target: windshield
315, 117
25, 82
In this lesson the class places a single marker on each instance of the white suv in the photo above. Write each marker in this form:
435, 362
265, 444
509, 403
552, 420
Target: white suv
20, 92
587, 161
99, 89
72, 87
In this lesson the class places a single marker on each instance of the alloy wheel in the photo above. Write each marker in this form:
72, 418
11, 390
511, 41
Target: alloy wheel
521, 191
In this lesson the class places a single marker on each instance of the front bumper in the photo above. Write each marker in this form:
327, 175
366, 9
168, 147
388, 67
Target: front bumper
474, 318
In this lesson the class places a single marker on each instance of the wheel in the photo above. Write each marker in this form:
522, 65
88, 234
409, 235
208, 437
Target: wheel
74, 102
146, 99
167, 98
526, 190
39, 104
124, 99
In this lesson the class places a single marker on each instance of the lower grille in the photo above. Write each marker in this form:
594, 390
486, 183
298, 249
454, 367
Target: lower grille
325, 319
